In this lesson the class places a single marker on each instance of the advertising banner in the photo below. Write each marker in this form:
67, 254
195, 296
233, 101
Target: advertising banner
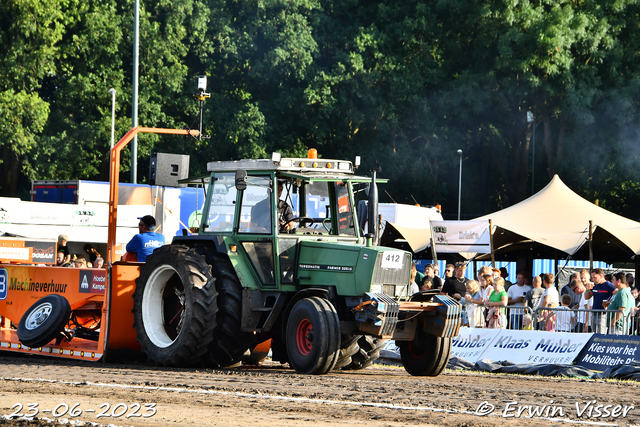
472, 342
461, 236
537, 347
43, 252
15, 254
27, 252
605, 351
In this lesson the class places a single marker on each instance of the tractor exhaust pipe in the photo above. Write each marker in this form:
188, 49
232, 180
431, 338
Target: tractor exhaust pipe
373, 209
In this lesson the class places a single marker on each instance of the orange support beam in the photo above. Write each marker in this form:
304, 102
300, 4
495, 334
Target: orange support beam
114, 178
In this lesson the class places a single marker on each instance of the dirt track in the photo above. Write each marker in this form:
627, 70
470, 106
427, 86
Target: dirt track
275, 396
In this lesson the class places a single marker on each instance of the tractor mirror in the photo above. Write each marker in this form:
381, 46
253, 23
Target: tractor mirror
241, 180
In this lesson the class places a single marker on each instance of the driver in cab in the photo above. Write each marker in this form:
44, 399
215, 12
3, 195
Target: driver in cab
285, 213
261, 214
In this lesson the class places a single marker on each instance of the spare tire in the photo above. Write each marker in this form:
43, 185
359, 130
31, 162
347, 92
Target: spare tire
44, 320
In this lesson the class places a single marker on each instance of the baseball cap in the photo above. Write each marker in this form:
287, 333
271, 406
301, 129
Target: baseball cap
149, 221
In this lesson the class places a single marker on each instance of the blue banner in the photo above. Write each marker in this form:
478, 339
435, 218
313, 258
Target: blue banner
605, 351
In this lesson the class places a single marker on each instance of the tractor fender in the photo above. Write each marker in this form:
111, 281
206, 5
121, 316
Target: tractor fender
201, 240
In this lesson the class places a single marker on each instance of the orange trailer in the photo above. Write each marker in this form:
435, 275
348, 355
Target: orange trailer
69, 312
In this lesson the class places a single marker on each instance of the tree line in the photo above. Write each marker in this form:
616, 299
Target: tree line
405, 84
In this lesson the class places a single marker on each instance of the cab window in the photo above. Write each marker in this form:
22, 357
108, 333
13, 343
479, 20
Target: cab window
222, 205
345, 211
256, 210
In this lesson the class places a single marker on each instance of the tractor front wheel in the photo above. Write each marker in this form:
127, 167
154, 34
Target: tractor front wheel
313, 336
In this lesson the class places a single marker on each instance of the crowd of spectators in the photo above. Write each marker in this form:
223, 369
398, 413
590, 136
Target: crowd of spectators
64, 257
590, 302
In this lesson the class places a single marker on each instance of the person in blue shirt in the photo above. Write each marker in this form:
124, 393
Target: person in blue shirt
147, 241
602, 290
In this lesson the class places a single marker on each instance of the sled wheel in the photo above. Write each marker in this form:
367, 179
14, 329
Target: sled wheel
426, 354
313, 336
174, 306
44, 320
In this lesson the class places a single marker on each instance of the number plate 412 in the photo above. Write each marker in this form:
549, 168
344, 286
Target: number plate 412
392, 259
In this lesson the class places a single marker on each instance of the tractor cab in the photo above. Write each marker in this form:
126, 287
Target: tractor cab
266, 211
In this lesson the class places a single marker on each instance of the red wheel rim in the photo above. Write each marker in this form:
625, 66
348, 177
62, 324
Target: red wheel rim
303, 333
412, 351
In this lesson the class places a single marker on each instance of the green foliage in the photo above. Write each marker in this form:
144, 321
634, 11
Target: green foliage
403, 84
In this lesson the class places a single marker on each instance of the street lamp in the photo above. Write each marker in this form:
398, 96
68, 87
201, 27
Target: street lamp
530, 119
201, 95
460, 184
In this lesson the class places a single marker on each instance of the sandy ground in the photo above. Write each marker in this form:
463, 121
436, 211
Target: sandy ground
135, 394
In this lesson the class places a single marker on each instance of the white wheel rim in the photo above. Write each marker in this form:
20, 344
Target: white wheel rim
153, 306
38, 316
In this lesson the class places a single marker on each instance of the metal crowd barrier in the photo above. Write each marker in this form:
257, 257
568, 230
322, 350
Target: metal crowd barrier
556, 319
507, 317
597, 321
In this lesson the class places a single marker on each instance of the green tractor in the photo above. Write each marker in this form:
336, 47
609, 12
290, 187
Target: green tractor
314, 284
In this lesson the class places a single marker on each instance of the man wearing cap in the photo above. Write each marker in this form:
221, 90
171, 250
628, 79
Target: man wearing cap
456, 287
147, 241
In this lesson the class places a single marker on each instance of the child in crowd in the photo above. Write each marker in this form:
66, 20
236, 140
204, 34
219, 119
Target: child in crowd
475, 314
565, 319
527, 322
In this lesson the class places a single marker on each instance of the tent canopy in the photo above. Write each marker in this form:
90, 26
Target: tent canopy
556, 218
418, 239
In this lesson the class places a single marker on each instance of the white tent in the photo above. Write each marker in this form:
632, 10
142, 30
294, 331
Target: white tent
553, 223
559, 219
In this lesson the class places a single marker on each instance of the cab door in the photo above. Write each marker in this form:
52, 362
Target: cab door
256, 225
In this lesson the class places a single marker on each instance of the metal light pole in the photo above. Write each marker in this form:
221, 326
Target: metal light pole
530, 119
201, 95
460, 184
134, 100
112, 91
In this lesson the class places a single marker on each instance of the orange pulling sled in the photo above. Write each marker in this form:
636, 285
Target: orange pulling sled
69, 312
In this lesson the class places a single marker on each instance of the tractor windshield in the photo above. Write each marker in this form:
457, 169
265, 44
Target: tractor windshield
324, 200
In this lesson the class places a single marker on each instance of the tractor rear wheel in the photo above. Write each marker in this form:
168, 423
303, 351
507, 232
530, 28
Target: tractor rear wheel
229, 342
426, 354
175, 306
313, 336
